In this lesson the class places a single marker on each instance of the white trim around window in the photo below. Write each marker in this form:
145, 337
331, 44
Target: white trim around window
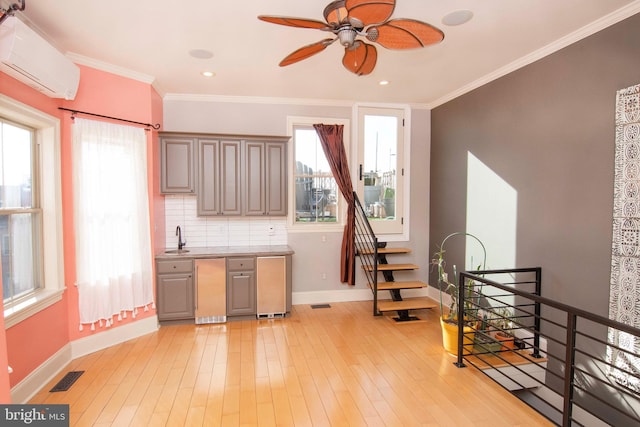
403, 177
48, 141
328, 227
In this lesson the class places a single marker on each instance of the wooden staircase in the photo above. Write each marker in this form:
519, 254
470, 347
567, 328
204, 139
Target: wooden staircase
374, 261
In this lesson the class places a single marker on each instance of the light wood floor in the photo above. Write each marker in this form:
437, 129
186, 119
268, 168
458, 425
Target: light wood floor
337, 366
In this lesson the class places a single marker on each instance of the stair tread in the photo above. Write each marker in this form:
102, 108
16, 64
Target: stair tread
402, 284
391, 267
387, 251
407, 304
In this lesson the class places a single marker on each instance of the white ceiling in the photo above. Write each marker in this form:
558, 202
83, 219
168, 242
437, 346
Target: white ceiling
150, 40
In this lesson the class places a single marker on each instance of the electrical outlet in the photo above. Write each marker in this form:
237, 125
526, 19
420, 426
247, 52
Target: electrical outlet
324, 276
272, 230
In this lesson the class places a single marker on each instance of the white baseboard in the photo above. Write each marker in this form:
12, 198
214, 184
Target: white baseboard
113, 336
347, 295
32, 383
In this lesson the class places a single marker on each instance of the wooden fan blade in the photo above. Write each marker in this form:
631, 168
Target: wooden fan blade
360, 58
305, 52
370, 11
405, 34
295, 22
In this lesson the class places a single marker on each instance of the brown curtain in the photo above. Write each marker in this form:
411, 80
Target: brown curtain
331, 139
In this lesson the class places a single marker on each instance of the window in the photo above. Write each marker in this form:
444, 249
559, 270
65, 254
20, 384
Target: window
381, 172
20, 213
31, 227
315, 199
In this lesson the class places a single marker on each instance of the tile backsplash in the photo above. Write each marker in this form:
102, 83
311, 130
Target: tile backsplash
202, 231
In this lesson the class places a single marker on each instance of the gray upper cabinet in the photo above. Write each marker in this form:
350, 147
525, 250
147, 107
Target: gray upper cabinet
177, 165
230, 174
276, 178
254, 159
219, 166
265, 165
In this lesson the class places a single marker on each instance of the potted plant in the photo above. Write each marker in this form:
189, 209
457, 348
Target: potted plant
503, 325
448, 319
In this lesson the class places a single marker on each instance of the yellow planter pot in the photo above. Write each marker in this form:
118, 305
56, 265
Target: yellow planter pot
450, 338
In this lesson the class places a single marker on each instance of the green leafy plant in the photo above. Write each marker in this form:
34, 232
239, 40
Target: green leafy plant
451, 287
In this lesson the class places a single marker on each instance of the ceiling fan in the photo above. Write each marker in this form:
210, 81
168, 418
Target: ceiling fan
348, 19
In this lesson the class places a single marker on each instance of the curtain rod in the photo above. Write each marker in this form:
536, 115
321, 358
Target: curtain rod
74, 112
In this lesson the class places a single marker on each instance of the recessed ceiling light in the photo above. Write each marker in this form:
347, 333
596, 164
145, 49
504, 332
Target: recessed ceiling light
383, 82
201, 53
208, 73
457, 17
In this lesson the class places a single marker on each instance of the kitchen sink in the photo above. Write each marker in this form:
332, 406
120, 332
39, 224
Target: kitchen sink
177, 251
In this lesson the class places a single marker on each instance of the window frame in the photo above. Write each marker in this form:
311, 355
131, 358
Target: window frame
49, 175
403, 181
34, 209
323, 227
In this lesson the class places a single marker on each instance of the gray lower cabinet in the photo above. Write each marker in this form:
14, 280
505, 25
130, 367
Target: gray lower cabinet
241, 286
177, 173
175, 289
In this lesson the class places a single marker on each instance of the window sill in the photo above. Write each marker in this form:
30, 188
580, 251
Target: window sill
30, 306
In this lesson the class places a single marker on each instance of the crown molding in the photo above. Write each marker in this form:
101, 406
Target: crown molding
110, 68
151, 80
582, 33
256, 100
280, 101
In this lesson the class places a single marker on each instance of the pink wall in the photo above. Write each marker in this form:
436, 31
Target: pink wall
115, 96
33, 341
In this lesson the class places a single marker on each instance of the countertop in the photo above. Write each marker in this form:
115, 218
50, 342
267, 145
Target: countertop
226, 251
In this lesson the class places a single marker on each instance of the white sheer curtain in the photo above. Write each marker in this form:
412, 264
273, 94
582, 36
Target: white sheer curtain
111, 207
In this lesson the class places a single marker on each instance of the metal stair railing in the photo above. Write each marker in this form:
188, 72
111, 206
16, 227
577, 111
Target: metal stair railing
366, 245
560, 363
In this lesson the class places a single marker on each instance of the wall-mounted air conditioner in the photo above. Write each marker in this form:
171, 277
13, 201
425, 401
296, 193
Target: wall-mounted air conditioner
26, 56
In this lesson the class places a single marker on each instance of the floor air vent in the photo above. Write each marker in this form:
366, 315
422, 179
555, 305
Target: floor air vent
67, 381
320, 305
210, 319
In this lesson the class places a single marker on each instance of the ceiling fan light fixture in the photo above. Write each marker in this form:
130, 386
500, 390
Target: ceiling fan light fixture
336, 13
351, 21
347, 36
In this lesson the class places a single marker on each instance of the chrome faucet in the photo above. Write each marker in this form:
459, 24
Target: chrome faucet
181, 244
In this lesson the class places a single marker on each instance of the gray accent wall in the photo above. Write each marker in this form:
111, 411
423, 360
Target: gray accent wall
548, 131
